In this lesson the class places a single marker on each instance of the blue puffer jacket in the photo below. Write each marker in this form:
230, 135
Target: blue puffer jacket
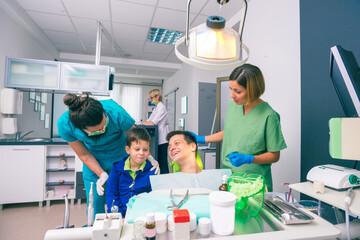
121, 186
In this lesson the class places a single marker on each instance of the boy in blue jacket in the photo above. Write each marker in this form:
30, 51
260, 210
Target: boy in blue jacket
131, 175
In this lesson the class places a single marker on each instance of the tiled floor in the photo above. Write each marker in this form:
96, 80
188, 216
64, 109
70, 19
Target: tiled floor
28, 221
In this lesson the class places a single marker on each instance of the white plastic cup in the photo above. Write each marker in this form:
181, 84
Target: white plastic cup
222, 212
192, 221
204, 226
160, 222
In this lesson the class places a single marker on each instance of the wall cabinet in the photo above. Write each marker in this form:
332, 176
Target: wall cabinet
86, 77
22, 174
29, 73
52, 75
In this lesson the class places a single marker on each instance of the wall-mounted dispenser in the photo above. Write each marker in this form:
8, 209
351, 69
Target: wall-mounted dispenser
11, 103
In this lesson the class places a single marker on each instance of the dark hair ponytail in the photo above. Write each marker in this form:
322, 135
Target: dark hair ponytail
84, 111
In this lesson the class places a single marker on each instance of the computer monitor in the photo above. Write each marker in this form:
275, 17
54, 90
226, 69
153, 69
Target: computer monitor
345, 75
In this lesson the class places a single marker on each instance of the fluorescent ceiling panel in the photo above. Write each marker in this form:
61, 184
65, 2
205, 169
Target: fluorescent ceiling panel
160, 35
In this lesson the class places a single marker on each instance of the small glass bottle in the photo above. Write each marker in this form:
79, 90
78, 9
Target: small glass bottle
224, 186
139, 230
150, 231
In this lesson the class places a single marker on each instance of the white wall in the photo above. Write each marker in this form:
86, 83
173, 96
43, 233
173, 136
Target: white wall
16, 42
187, 80
272, 32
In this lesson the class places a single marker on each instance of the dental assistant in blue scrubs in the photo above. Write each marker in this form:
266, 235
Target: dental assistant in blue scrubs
95, 130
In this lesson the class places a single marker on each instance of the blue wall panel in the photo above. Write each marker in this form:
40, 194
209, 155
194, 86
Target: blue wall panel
323, 24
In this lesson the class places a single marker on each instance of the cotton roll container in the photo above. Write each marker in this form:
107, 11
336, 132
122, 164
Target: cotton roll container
160, 222
204, 226
222, 212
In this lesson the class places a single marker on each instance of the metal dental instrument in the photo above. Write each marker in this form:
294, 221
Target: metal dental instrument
174, 206
67, 212
114, 208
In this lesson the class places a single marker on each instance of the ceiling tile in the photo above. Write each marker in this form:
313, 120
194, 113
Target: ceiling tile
94, 9
170, 19
91, 41
63, 37
48, 6
70, 48
133, 45
181, 5
133, 54
52, 22
153, 56
228, 10
173, 59
200, 19
146, 2
132, 13
161, 48
127, 31
108, 52
85, 26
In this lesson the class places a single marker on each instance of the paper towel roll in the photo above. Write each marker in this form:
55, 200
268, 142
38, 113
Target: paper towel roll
9, 126
11, 101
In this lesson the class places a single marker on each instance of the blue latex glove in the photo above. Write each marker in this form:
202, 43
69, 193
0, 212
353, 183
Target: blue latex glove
238, 159
199, 139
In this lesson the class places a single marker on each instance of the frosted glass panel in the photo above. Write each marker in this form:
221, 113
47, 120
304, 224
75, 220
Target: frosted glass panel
85, 77
33, 73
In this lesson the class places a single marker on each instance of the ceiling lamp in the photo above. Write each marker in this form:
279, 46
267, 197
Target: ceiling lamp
211, 45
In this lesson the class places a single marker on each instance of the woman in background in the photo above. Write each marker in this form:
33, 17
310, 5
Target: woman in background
95, 130
159, 117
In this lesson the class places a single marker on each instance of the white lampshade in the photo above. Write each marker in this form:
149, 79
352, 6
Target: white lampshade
213, 46
217, 44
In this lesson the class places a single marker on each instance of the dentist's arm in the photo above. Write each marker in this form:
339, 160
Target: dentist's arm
89, 160
86, 157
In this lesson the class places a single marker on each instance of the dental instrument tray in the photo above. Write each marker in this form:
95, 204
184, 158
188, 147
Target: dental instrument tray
285, 212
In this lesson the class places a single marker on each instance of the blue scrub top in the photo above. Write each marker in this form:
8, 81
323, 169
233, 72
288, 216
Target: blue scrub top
108, 147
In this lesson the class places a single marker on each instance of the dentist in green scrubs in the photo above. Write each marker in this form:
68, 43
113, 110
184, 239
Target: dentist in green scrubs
95, 130
252, 137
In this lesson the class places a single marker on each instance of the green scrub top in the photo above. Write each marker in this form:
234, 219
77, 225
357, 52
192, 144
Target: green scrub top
255, 133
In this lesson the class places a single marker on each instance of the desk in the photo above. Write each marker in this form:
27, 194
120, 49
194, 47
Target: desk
330, 196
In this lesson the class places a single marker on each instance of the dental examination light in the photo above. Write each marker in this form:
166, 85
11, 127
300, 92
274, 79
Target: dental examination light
211, 45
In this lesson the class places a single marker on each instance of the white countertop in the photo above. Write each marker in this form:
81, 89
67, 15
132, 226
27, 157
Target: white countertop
330, 196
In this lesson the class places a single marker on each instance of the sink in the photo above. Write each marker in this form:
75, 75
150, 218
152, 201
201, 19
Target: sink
25, 140
7, 140
35, 140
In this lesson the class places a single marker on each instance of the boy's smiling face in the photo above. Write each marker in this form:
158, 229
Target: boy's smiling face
138, 151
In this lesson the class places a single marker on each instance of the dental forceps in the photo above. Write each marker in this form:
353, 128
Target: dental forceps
176, 206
